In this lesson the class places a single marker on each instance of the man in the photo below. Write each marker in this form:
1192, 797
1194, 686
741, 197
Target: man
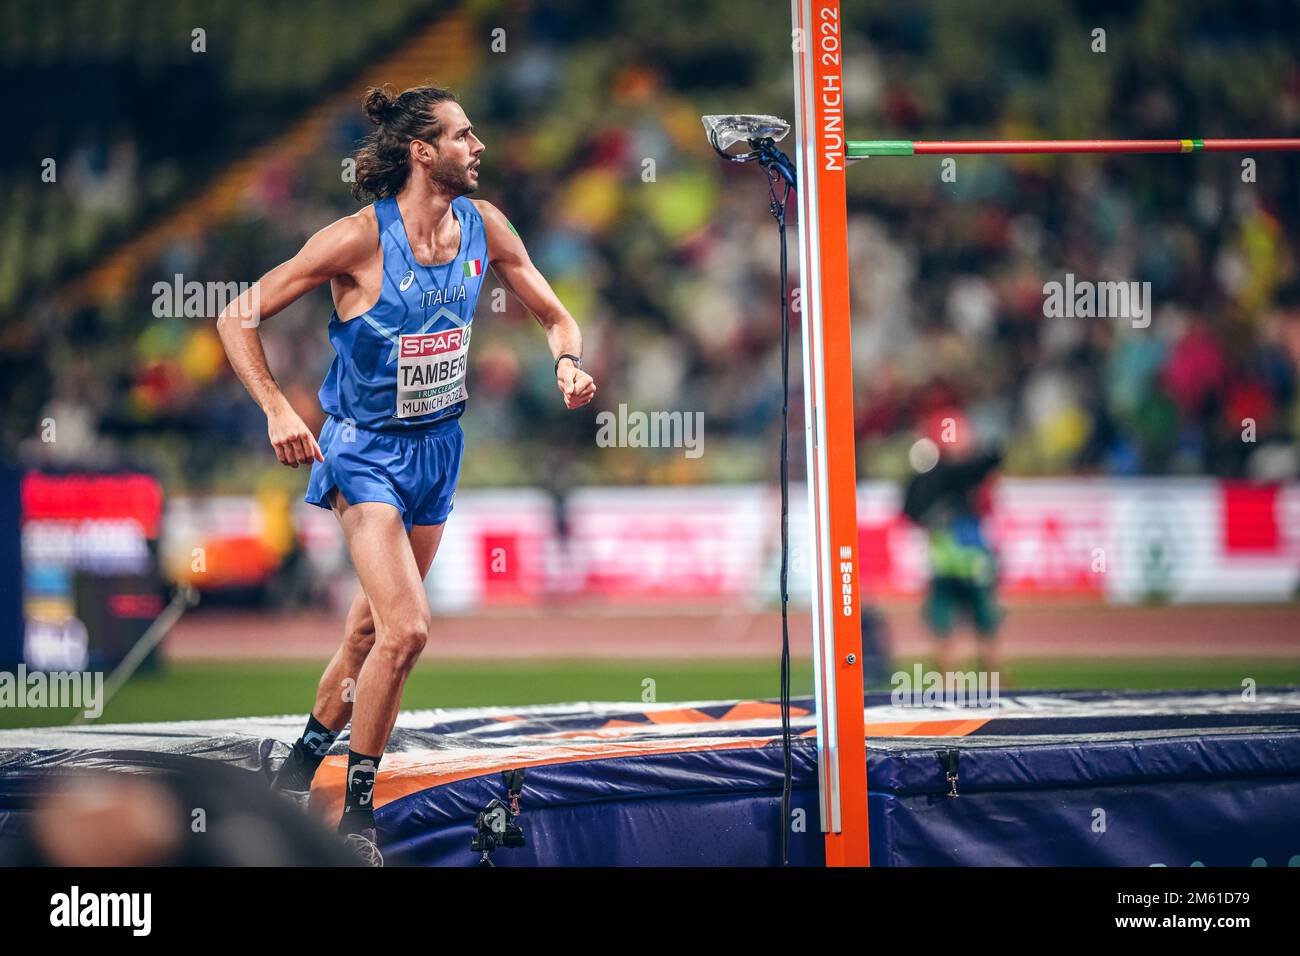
405, 273
949, 497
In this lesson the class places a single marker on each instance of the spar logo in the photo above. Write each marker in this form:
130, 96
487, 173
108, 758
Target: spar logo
432, 343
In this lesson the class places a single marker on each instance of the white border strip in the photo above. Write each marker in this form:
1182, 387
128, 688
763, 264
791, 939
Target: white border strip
823, 643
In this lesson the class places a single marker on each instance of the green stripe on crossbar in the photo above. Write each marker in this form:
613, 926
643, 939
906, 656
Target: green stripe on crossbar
880, 147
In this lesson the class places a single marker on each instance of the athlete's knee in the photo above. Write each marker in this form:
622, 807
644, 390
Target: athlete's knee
406, 640
416, 635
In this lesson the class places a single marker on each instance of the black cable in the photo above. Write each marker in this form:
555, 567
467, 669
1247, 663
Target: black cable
779, 169
778, 212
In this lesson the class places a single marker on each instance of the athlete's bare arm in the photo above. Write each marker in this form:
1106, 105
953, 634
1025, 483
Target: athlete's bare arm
517, 273
336, 252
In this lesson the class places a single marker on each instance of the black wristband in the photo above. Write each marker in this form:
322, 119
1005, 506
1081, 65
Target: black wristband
576, 359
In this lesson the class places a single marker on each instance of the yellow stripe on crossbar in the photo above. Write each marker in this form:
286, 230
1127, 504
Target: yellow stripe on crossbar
1186, 145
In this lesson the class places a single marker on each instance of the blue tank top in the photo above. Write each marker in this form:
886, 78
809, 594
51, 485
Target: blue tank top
401, 365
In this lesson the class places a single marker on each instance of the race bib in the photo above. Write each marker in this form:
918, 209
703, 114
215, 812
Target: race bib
431, 371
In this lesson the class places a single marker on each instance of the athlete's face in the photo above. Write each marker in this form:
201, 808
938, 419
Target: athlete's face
455, 163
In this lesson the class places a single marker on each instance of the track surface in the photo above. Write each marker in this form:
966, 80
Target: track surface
1031, 631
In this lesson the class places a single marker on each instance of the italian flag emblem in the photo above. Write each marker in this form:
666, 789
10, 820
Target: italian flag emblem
474, 267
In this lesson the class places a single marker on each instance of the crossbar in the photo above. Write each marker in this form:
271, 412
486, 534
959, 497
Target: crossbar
862, 149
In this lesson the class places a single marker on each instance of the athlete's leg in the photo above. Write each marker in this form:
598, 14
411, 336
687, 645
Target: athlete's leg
336, 691
337, 688
385, 563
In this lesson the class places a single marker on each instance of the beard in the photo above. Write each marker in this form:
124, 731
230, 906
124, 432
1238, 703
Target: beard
452, 177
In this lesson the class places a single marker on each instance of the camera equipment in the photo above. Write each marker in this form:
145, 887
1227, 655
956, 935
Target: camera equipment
496, 826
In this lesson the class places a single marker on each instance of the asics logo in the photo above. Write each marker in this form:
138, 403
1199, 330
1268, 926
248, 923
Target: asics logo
406, 281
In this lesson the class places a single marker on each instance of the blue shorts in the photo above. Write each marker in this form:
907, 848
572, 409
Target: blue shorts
415, 473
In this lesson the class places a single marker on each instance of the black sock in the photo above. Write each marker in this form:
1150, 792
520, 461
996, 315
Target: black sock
359, 796
307, 753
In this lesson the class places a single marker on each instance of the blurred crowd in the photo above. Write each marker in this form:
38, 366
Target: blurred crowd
668, 257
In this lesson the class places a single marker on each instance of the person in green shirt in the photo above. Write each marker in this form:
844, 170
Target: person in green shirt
949, 500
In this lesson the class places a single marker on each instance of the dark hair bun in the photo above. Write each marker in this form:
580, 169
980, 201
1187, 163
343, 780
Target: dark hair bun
378, 105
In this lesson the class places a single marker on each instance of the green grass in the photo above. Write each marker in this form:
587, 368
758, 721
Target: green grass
199, 691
